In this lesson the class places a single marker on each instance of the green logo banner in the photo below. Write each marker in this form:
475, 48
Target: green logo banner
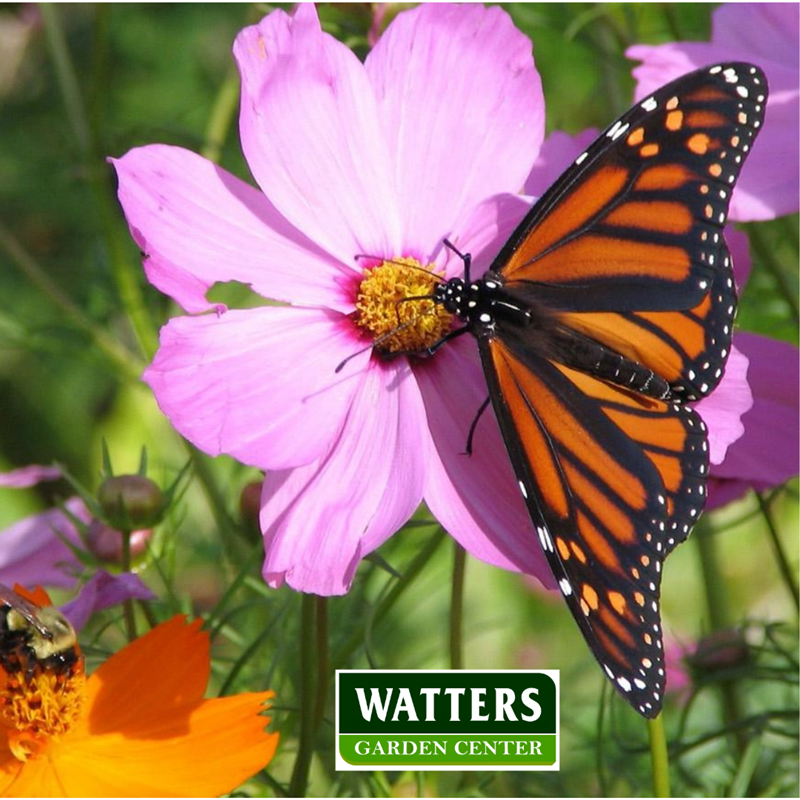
446, 719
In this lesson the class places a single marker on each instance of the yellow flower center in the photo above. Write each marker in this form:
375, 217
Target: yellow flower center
40, 707
384, 304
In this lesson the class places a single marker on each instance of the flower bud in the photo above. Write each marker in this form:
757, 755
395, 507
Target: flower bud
130, 502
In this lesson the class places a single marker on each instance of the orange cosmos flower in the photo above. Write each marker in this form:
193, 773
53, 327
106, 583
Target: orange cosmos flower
137, 727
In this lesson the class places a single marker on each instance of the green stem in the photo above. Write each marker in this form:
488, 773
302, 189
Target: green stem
718, 606
66, 77
457, 608
222, 114
659, 756
126, 273
323, 660
780, 556
127, 605
302, 764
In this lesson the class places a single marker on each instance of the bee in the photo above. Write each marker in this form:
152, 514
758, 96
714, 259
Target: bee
34, 638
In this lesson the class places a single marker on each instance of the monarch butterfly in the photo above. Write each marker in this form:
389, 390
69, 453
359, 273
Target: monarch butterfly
608, 309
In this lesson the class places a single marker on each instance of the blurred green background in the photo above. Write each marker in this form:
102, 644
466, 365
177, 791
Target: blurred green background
78, 323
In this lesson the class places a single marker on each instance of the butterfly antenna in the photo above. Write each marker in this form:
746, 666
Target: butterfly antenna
465, 257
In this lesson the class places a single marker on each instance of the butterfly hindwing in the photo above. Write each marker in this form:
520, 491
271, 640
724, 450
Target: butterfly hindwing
613, 482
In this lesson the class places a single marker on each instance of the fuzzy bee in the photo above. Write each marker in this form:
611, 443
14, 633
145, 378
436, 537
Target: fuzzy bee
33, 637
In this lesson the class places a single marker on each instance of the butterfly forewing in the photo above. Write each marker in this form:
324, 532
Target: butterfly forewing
610, 306
634, 228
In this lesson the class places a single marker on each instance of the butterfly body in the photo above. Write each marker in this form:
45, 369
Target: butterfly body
609, 308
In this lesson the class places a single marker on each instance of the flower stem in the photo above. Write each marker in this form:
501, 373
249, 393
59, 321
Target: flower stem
766, 255
780, 556
222, 114
659, 756
323, 660
457, 608
67, 79
718, 605
127, 605
126, 274
302, 765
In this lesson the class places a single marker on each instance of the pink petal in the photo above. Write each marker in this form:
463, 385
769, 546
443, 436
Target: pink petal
311, 134
197, 224
31, 475
558, 152
766, 455
32, 551
104, 590
723, 409
321, 519
258, 384
461, 107
739, 248
765, 34
475, 497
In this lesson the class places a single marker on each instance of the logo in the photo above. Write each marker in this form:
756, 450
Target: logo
446, 719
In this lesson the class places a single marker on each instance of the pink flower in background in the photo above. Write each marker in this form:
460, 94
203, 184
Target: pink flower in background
38, 551
351, 159
35, 550
104, 590
767, 454
767, 34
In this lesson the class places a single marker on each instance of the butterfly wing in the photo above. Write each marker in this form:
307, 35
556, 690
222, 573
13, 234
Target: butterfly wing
612, 480
626, 252
627, 245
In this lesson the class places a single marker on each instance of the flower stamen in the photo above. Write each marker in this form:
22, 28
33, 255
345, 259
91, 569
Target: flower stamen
382, 306
40, 705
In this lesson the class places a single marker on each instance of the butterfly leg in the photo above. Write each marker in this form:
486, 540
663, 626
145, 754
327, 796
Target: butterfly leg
474, 425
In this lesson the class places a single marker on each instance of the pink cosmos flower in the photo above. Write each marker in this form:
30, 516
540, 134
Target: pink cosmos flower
377, 159
766, 34
352, 160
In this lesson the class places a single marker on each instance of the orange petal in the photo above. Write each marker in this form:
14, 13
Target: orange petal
37, 596
36, 778
220, 745
161, 674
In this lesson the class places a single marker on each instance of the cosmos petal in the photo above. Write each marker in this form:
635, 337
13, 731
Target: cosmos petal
723, 409
311, 135
197, 225
432, 63
258, 384
321, 519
